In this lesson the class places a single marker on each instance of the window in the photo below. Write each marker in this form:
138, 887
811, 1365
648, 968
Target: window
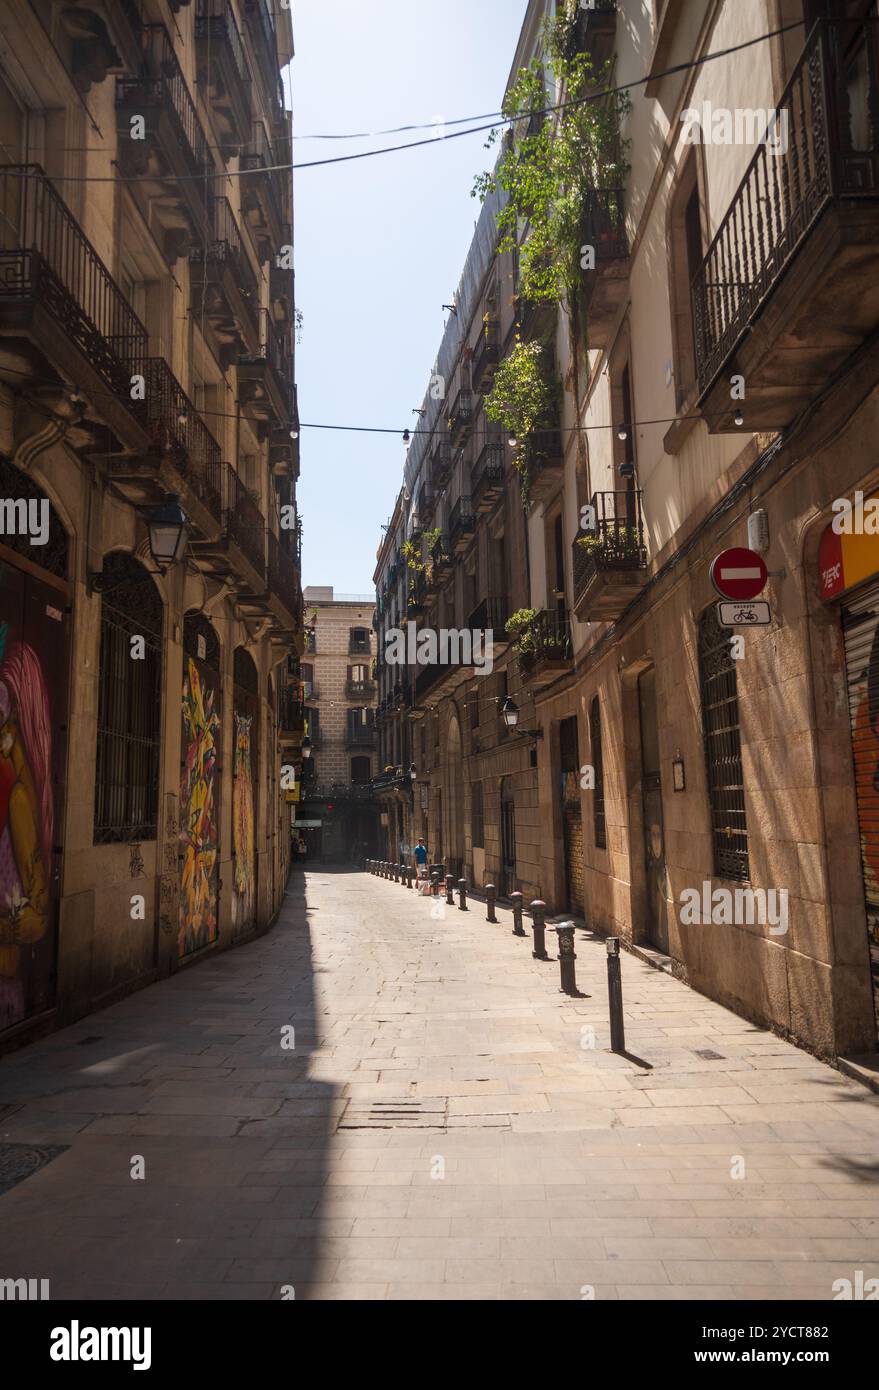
359, 674
361, 771
598, 819
686, 254
313, 726
723, 749
359, 639
307, 681
477, 816
472, 707
129, 704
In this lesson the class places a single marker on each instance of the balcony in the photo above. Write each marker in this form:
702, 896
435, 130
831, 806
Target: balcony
441, 463
593, 31
182, 456
239, 551
486, 356
604, 289
357, 737
225, 290
544, 650
440, 557
291, 718
265, 197
264, 378
417, 600
611, 569
97, 37
170, 168
491, 616
333, 792
62, 316
546, 463
536, 317
461, 418
462, 524
285, 594
224, 73
487, 475
789, 289
359, 647
282, 282
360, 690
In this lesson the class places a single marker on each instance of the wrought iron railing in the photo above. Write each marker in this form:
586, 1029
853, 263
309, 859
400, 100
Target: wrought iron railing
177, 429
215, 19
227, 246
441, 461
604, 224
166, 85
283, 578
245, 523
550, 637
291, 711
491, 616
358, 737
263, 157
461, 412
359, 689
462, 519
488, 470
810, 158
615, 542
486, 353
47, 258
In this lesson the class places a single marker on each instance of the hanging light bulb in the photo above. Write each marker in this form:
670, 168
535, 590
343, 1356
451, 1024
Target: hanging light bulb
406, 436
622, 433
738, 418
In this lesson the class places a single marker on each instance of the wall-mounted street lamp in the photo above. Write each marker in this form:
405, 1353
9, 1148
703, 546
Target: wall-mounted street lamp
306, 747
168, 527
413, 772
510, 716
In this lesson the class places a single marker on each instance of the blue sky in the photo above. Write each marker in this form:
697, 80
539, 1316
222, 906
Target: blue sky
380, 243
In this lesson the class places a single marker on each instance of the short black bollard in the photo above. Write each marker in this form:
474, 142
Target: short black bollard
408, 876
567, 968
434, 881
615, 995
450, 890
516, 900
490, 900
385, 867
538, 927
462, 894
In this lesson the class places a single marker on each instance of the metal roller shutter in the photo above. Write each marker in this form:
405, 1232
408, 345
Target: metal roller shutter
861, 629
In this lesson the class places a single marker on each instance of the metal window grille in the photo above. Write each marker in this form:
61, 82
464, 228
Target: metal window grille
598, 817
129, 705
723, 749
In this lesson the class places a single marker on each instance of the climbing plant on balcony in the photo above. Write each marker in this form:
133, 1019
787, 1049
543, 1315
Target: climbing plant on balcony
525, 397
554, 163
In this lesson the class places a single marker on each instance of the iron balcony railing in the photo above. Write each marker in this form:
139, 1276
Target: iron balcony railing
291, 711
551, 636
486, 353
361, 737
166, 86
215, 20
283, 579
177, 429
461, 414
265, 155
441, 462
245, 523
616, 541
46, 258
603, 224
359, 689
488, 470
810, 158
491, 616
227, 246
462, 520
339, 791
578, 37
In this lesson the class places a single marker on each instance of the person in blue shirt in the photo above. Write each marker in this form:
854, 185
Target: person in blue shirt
420, 852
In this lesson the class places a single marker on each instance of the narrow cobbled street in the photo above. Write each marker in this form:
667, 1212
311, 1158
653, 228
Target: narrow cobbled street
442, 1127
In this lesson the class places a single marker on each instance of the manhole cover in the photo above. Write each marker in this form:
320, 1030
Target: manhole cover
708, 1056
20, 1161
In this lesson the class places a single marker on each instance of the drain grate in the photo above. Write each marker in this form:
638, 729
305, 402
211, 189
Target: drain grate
708, 1056
409, 1113
21, 1161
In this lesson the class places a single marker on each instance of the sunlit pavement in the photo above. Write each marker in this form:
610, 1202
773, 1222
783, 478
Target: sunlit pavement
443, 1128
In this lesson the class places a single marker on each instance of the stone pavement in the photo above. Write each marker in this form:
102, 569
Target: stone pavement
443, 1128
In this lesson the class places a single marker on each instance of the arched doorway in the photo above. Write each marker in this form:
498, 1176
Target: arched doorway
34, 669
245, 735
199, 853
455, 800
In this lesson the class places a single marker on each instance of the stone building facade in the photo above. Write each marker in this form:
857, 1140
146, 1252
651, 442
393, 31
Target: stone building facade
708, 793
146, 382
339, 684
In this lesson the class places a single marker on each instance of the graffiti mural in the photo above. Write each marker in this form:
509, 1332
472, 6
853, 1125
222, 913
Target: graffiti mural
199, 837
864, 704
28, 670
243, 840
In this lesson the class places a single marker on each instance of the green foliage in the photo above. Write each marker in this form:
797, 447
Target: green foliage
521, 620
412, 552
554, 163
524, 397
622, 540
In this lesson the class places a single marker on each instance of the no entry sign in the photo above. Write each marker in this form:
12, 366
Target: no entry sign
738, 574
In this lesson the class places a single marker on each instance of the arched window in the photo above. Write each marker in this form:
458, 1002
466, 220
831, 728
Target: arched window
129, 703
598, 820
723, 748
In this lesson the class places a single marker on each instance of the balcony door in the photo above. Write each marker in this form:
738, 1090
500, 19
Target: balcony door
508, 838
654, 829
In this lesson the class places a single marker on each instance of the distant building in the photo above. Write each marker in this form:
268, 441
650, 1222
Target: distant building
337, 815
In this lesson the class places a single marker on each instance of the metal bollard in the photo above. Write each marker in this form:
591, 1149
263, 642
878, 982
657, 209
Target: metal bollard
615, 995
450, 890
404, 875
538, 927
385, 869
567, 968
396, 872
408, 876
462, 894
516, 900
490, 901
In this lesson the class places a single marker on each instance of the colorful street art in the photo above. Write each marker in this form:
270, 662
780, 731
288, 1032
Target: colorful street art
243, 846
26, 829
198, 821
865, 739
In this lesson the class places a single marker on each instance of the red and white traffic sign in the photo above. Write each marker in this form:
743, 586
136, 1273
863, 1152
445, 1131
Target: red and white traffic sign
738, 574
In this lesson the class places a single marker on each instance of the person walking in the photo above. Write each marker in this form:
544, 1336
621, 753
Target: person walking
420, 853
